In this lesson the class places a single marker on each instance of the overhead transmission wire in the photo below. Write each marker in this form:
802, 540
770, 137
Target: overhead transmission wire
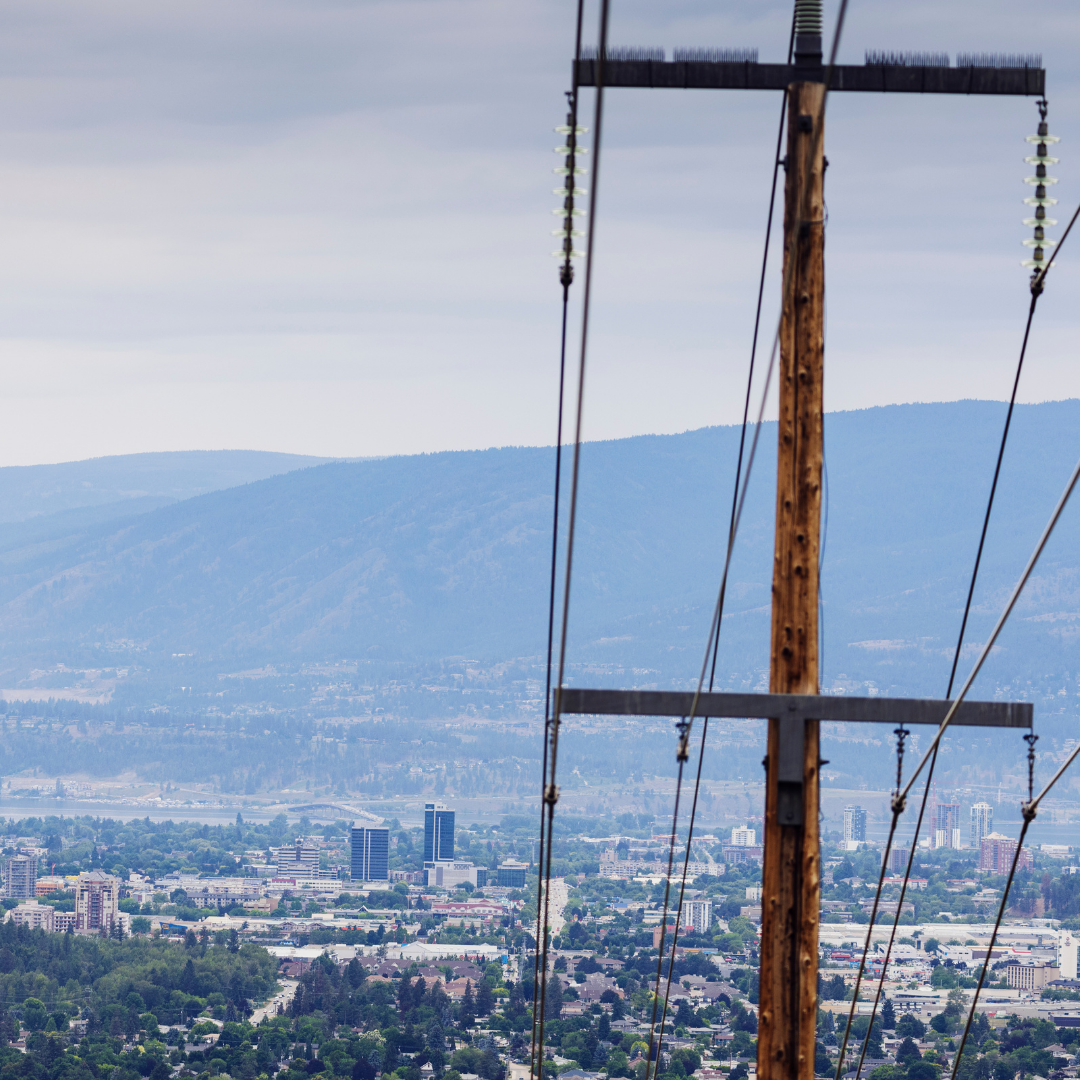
1036, 291
1037, 285
1028, 810
686, 726
551, 793
984, 653
566, 278
715, 634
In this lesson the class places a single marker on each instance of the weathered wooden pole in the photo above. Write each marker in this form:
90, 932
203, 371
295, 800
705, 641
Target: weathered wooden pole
791, 892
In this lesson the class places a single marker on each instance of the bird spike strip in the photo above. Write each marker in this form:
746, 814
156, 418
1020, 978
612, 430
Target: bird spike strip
714, 56
883, 58
624, 52
999, 60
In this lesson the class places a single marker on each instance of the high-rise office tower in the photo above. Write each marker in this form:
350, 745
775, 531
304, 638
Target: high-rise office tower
855, 824
438, 833
982, 823
370, 850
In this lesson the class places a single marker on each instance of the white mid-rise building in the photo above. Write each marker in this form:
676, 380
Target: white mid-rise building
697, 915
1067, 950
982, 823
20, 877
450, 873
41, 917
743, 836
854, 825
33, 915
298, 860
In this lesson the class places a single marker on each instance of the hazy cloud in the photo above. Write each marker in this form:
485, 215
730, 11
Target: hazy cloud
324, 227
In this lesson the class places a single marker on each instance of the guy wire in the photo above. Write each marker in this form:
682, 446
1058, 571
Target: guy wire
566, 277
1003, 618
866, 949
540, 891
1035, 293
551, 793
896, 922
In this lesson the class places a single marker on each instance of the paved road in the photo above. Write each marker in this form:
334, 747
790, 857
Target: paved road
286, 990
560, 894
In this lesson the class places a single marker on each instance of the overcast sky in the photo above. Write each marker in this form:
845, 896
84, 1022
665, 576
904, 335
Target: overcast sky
324, 227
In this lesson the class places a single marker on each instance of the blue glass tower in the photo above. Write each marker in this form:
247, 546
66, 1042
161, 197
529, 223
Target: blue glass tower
438, 833
370, 854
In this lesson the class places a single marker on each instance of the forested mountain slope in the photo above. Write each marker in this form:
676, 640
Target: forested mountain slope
417, 558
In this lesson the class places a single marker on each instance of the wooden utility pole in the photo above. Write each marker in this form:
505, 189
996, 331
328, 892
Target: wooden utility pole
791, 892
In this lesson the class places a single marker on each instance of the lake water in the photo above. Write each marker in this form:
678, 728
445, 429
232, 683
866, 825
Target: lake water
210, 815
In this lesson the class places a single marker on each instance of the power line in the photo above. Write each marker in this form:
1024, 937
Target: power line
714, 630
898, 801
1036, 291
715, 635
753, 343
551, 793
999, 626
566, 278
1029, 809
1037, 285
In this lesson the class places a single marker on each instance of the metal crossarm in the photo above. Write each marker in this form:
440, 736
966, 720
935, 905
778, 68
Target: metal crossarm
873, 710
868, 78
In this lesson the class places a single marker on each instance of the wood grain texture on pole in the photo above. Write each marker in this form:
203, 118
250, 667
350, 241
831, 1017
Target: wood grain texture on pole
792, 874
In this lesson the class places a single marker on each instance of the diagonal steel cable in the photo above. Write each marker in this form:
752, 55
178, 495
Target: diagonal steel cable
999, 626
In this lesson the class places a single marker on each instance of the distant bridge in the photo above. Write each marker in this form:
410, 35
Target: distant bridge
336, 810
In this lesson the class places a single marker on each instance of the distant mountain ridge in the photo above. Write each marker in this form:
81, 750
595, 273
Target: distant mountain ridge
29, 491
415, 558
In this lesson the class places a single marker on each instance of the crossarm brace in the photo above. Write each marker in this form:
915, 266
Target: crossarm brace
868, 78
873, 710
